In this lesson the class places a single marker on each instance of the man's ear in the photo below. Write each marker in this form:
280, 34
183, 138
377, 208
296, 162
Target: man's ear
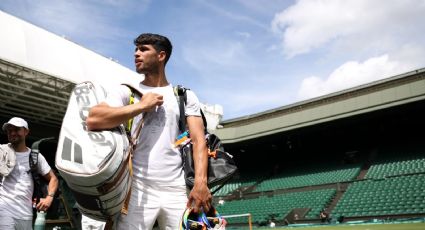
162, 55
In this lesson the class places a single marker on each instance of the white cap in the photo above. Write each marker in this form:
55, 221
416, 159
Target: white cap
16, 121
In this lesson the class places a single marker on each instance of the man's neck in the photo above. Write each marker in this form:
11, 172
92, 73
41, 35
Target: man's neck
155, 80
20, 147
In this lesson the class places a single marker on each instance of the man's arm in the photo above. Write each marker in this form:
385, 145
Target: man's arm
45, 203
103, 116
200, 196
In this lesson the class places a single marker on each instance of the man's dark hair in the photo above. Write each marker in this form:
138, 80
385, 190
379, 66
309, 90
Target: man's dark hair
159, 42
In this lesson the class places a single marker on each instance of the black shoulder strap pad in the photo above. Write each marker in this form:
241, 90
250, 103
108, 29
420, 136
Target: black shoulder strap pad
33, 160
180, 93
181, 96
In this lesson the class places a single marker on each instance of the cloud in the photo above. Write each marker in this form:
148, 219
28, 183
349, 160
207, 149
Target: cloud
349, 74
371, 40
354, 73
374, 25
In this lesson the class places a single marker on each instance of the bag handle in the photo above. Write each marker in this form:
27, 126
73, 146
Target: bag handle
136, 135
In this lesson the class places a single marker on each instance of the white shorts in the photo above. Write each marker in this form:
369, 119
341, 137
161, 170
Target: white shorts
149, 203
10, 223
88, 223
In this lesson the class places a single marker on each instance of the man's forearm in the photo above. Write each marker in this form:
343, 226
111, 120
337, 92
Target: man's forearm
53, 185
200, 157
105, 117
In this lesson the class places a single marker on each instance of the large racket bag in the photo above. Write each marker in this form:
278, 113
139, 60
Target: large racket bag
94, 164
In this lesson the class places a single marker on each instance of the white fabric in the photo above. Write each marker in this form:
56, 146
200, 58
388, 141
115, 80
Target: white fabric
7, 159
151, 202
17, 188
155, 158
9, 223
88, 223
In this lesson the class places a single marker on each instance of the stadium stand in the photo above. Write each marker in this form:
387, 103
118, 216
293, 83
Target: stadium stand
389, 196
278, 206
393, 185
309, 178
397, 163
239, 184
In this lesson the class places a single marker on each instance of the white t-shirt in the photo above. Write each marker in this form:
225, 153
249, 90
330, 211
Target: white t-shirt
155, 159
17, 188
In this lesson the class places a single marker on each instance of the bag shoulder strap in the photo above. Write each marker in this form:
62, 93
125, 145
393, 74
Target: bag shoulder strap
34, 157
133, 92
181, 95
33, 161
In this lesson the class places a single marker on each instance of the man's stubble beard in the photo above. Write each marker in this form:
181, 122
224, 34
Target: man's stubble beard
16, 142
153, 69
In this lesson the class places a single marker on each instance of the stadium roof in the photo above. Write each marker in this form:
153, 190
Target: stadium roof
32, 95
38, 69
386, 93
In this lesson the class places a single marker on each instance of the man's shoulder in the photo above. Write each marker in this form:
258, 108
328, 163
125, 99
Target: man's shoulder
43, 165
191, 97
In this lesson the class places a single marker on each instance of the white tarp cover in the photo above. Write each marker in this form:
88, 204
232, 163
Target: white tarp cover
30, 46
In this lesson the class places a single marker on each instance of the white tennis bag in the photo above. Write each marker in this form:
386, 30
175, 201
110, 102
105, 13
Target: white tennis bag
94, 164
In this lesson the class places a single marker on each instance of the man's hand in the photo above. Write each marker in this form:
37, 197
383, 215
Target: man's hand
44, 203
150, 101
200, 197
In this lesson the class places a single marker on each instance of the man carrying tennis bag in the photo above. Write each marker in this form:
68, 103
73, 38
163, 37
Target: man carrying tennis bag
96, 165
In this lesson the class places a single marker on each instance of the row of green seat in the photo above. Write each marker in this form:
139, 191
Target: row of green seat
309, 178
390, 164
238, 182
277, 206
394, 164
396, 195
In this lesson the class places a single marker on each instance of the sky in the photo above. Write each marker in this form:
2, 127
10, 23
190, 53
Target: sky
249, 56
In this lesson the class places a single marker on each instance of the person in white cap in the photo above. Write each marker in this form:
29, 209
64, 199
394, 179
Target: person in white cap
17, 188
